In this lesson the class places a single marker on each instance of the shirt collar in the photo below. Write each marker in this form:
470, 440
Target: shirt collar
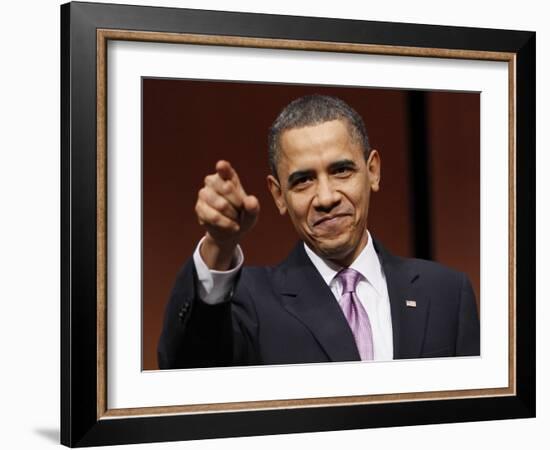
367, 264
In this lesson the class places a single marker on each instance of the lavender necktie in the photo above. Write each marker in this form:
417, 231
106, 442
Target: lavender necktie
356, 315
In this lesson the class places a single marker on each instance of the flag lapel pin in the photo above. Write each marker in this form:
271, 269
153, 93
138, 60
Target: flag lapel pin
410, 303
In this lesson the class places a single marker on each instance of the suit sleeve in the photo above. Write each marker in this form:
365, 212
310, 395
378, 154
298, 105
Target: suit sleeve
468, 335
196, 334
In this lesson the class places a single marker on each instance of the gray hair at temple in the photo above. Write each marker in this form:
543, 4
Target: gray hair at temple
313, 110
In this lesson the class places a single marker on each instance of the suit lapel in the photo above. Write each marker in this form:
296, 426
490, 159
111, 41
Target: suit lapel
408, 320
307, 297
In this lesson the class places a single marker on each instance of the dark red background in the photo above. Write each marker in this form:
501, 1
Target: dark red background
188, 125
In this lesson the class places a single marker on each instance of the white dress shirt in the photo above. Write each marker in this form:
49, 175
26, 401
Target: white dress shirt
371, 290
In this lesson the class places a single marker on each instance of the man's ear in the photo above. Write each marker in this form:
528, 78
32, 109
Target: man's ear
373, 166
276, 192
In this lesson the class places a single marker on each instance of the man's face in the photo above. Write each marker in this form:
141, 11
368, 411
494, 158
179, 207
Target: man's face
324, 185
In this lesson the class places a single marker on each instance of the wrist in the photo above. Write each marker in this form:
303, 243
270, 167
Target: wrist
218, 254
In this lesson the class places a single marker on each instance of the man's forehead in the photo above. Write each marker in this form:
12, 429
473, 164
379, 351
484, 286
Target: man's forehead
326, 142
311, 136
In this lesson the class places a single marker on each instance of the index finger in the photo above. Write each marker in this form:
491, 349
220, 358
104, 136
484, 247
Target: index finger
227, 173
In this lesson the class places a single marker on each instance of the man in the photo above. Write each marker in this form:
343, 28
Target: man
339, 296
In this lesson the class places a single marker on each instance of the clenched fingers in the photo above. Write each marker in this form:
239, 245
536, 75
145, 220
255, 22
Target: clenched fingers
218, 202
211, 217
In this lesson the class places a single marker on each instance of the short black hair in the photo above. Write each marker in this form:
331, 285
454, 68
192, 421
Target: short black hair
314, 110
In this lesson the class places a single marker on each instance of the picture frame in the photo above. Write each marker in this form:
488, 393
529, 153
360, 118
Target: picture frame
86, 418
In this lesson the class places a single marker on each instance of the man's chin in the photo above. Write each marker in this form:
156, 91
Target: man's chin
338, 249
332, 250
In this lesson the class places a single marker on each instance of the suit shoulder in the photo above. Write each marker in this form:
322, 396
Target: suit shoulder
417, 268
432, 270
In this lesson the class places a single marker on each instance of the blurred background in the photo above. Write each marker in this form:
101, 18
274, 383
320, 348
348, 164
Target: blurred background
427, 207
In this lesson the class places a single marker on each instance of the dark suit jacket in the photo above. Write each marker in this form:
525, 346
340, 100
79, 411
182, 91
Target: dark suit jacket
287, 314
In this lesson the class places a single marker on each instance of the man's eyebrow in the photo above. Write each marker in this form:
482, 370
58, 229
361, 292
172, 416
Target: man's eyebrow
295, 176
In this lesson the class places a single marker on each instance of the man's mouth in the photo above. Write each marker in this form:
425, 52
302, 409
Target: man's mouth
329, 220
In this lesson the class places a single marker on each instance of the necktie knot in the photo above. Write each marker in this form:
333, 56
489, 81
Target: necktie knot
349, 279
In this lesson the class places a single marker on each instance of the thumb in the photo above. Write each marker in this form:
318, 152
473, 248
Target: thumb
251, 209
251, 205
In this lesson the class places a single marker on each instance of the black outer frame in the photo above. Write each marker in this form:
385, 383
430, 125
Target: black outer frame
79, 423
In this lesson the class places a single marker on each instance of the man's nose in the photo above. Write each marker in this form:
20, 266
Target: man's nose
326, 197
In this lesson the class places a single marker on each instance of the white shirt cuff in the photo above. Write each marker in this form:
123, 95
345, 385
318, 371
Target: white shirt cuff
215, 285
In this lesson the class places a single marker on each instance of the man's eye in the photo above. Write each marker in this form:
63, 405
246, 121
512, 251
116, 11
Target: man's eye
303, 180
342, 170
